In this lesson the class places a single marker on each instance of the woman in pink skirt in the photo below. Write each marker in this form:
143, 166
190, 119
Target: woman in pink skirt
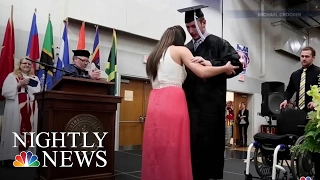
166, 142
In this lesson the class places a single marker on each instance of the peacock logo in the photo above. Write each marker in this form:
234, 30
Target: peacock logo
26, 159
305, 178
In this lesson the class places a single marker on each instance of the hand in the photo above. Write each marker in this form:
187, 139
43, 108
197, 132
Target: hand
200, 60
197, 59
311, 105
94, 74
229, 68
23, 82
96, 70
283, 104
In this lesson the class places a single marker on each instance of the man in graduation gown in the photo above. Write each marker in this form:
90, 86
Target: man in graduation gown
78, 68
207, 97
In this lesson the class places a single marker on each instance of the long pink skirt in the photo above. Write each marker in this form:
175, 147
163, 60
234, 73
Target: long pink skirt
166, 142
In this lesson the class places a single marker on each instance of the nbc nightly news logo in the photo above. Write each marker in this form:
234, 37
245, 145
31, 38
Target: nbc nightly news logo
28, 159
305, 178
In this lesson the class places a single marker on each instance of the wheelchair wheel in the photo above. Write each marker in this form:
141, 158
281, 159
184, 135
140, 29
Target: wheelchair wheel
301, 164
263, 163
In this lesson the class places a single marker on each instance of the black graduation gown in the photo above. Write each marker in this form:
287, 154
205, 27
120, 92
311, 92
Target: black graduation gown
206, 104
73, 71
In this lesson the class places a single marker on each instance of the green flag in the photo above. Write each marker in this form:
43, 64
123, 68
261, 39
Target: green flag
47, 55
111, 69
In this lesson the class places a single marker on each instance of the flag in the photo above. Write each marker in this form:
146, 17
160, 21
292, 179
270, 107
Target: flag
96, 50
33, 43
111, 69
63, 59
82, 37
7, 54
47, 55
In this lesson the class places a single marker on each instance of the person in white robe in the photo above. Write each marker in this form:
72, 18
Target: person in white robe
21, 110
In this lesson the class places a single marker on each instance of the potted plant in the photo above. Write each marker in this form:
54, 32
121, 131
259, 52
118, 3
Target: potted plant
311, 143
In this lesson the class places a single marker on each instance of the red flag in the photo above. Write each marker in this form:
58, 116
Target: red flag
82, 37
7, 54
33, 43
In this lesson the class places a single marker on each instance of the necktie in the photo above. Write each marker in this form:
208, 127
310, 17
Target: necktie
196, 44
302, 89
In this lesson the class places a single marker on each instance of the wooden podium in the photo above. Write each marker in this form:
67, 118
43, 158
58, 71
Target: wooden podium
77, 105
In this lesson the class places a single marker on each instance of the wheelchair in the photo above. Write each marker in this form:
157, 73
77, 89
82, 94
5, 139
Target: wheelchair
272, 150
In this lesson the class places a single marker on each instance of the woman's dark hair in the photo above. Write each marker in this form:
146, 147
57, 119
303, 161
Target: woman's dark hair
172, 36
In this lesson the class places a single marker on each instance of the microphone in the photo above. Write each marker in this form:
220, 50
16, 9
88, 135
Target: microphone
41, 63
47, 66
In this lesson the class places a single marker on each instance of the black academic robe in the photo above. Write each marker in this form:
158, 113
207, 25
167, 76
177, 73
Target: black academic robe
74, 71
206, 104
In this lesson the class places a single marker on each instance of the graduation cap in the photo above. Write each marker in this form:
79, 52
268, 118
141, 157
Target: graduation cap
80, 52
192, 13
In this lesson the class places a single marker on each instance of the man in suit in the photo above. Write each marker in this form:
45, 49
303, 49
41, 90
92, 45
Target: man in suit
243, 121
299, 83
301, 80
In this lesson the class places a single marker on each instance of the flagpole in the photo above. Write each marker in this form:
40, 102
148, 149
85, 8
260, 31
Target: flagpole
67, 23
12, 31
35, 10
11, 16
96, 26
64, 24
83, 24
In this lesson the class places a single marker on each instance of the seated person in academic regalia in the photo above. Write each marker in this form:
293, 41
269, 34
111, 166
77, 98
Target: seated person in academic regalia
78, 68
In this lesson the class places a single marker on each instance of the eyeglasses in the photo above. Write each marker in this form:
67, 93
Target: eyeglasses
83, 60
26, 63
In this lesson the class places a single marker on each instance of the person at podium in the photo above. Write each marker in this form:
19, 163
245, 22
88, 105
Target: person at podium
78, 68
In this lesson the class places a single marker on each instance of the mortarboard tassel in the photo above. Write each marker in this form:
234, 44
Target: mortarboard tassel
197, 27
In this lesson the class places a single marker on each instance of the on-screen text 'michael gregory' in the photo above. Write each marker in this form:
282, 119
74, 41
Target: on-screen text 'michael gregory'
72, 143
